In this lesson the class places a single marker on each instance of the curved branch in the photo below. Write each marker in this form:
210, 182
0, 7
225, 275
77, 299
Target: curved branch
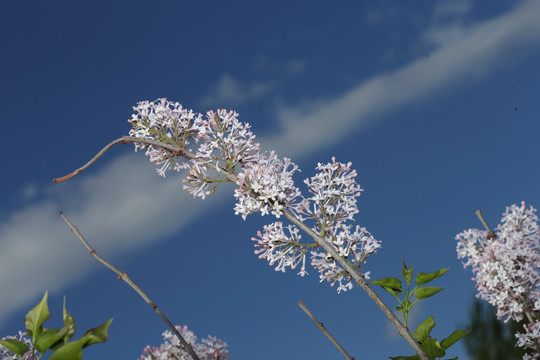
321, 327
491, 235
122, 275
127, 140
402, 329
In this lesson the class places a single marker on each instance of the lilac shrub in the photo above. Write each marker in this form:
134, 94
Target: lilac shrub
210, 348
506, 268
220, 142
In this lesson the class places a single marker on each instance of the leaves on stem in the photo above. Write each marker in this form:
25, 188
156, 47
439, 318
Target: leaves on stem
392, 285
56, 340
406, 273
15, 346
431, 346
36, 317
453, 338
423, 330
425, 292
48, 338
424, 278
98, 334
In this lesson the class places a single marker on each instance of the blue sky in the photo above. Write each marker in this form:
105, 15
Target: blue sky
435, 103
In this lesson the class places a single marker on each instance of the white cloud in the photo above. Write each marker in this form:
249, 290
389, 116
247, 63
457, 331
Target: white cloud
115, 209
446, 35
29, 191
229, 91
445, 8
117, 206
470, 55
296, 67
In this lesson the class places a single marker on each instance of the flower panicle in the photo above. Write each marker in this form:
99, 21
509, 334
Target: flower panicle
264, 184
210, 348
506, 269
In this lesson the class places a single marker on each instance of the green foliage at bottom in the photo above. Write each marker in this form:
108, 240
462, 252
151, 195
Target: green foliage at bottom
56, 340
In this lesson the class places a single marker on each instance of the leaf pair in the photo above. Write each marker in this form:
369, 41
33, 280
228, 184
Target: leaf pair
431, 346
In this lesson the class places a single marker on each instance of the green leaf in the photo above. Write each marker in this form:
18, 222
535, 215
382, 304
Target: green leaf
453, 338
425, 292
15, 346
424, 278
389, 284
432, 348
48, 338
454, 358
407, 305
69, 351
413, 357
423, 330
406, 273
69, 321
98, 334
36, 317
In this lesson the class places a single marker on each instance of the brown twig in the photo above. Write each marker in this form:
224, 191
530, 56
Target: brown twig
122, 275
402, 329
321, 327
125, 140
491, 234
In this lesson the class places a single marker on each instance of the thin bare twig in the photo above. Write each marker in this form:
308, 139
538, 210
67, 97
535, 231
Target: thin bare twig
491, 234
321, 327
402, 329
122, 275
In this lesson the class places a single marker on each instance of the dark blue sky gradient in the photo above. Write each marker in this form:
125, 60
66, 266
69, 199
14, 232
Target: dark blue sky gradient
70, 73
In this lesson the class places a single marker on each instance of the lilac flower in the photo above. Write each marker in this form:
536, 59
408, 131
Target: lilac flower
166, 122
506, 269
5, 354
275, 246
334, 196
530, 339
331, 206
223, 141
354, 246
210, 348
265, 184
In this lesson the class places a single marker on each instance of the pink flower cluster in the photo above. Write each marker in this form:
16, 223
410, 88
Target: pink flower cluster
332, 204
224, 141
210, 348
530, 339
5, 354
506, 267
265, 185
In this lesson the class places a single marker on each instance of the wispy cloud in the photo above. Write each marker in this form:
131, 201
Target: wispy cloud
232, 92
115, 208
452, 8
111, 205
472, 53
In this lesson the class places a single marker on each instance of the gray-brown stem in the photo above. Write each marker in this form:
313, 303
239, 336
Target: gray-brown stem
321, 327
402, 329
122, 275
